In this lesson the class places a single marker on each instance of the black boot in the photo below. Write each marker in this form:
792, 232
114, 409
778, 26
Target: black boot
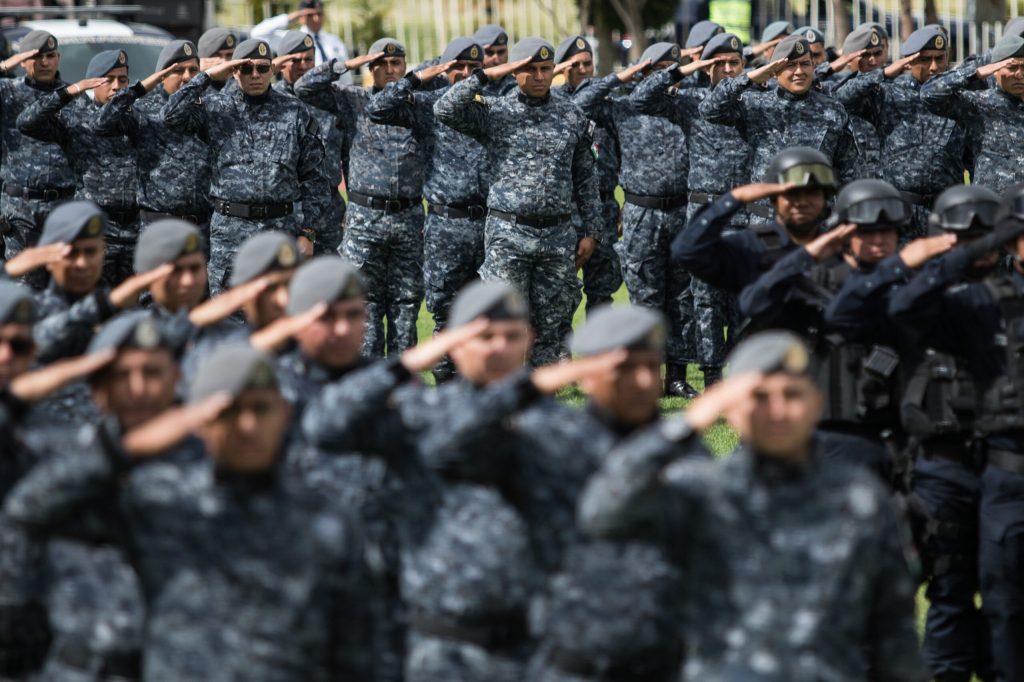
712, 375
675, 382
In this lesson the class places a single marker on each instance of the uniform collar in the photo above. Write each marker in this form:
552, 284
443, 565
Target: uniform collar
785, 94
1011, 99
55, 84
533, 101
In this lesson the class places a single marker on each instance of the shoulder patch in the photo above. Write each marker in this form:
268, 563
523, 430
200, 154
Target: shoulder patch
591, 128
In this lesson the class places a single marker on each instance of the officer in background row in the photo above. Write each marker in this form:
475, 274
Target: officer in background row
214, 48
494, 40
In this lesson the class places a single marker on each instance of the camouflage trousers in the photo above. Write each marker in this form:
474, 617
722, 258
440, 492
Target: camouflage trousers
453, 251
716, 311
432, 659
119, 261
25, 218
602, 274
652, 280
328, 240
539, 262
387, 248
227, 233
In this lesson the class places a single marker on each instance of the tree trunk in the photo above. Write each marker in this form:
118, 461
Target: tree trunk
607, 51
842, 21
630, 13
931, 15
906, 19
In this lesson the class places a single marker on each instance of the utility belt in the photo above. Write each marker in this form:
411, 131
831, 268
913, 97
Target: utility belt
252, 211
152, 216
647, 666
497, 632
660, 203
121, 664
382, 204
703, 198
760, 210
122, 215
925, 200
471, 211
530, 220
39, 193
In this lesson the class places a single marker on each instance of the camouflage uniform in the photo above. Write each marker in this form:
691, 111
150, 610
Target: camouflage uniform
288, 168
798, 570
387, 165
541, 161
719, 161
173, 169
213, 550
647, 231
104, 168
453, 247
991, 120
863, 126
31, 164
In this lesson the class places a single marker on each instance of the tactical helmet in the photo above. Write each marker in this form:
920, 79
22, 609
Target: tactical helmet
965, 210
872, 204
1013, 202
804, 166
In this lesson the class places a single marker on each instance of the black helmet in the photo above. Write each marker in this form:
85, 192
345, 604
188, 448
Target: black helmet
805, 166
965, 210
1013, 202
872, 204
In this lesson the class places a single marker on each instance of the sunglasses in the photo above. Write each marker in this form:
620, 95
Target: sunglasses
19, 345
247, 69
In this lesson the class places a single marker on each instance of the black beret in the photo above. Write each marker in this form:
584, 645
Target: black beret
661, 52
464, 50
866, 36
776, 29
389, 46
811, 34
1008, 46
215, 40
294, 42
491, 34
135, 329
927, 38
38, 40
702, 32
770, 352
534, 47
612, 327
253, 48
791, 47
495, 300
570, 47
324, 279
165, 241
263, 253
73, 220
722, 43
174, 52
231, 368
105, 62
17, 305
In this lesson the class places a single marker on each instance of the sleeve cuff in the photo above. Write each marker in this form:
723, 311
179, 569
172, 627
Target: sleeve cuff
398, 371
63, 95
104, 307
414, 81
481, 77
138, 90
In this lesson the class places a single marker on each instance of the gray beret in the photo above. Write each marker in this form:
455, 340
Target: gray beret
661, 52
1014, 27
73, 220
215, 40
324, 279
135, 329
494, 300
791, 47
722, 43
262, 253
1008, 46
538, 49
612, 327
17, 305
389, 46
776, 29
878, 27
927, 38
811, 34
464, 50
294, 42
253, 48
174, 52
164, 242
863, 38
491, 34
231, 368
570, 47
702, 32
770, 352
105, 62
38, 40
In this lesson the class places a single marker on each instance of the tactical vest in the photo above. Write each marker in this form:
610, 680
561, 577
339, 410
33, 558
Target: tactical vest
940, 398
1002, 405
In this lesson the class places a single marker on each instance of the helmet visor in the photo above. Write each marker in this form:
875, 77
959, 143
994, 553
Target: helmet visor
1018, 205
963, 216
889, 210
805, 174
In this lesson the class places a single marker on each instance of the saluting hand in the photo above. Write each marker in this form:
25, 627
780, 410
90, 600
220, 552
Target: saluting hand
127, 292
220, 72
572, 61
501, 70
35, 386
425, 355
434, 71
550, 379
166, 430
356, 62
36, 257
830, 243
747, 194
155, 79
842, 62
627, 73
221, 307
765, 73
86, 84
278, 62
14, 60
920, 251
990, 69
732, 393
695, 66
900, 65
282, 329
761, 48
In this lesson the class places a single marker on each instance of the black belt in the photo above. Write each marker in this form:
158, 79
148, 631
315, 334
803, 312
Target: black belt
530, 220
656, 666
122, 214
660, 203
45, 193
382, 204
118, 664
490, 633
472, 211
153, 216
918, 199
252, 211
760, 211
703, 198
1012, 462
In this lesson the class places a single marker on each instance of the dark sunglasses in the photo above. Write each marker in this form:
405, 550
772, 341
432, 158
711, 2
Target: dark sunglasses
246, 69
20, 345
